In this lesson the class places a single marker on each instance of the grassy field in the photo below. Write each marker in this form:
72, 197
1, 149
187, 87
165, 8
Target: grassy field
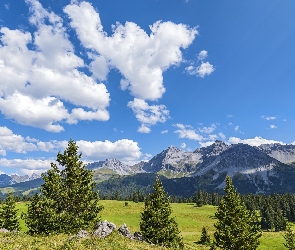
190, 219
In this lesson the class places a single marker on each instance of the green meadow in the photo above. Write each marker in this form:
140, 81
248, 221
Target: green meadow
190, 220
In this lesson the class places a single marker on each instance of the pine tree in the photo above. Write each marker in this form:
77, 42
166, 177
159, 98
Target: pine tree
205, 237
68, 201
8, 214
156, 225
290, 238
236, 227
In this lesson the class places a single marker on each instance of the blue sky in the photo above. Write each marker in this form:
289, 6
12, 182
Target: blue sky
127, 79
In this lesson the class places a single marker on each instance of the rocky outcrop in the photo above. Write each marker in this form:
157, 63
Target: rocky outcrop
103, 229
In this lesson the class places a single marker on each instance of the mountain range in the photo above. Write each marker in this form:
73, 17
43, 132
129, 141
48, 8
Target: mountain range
265, 169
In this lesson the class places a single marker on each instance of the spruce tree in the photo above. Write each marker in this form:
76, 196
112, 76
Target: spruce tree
156, 225
236, 227
205, 237
8, 214
68, 201
289, 238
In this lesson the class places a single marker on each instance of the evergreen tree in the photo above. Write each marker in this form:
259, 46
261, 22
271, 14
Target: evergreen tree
205, 237
236, 227
68, 201
156, 225
8, 214
290, 238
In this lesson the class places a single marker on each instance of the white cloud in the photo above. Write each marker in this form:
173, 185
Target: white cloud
236, 128
268, 118
208, 130
144, 129
183, 145
202, 55
272, 126
141, 58
27, 166
35, 83
164, 132
17, 143
204, 69
256, 141
206, 144
222, 136
148, 115
186, 131
124, 150
229, 116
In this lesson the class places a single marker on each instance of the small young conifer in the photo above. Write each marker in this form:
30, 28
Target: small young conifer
236, 227
156, 225
8, 214
205, 237
289, 237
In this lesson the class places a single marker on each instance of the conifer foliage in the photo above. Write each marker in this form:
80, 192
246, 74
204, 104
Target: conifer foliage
237, 227
156, 225
8, 214
205, 237
289, 238
68, 201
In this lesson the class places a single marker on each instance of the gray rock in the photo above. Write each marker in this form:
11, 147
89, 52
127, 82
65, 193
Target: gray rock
82, 234
103, 229
138, 236
125, 231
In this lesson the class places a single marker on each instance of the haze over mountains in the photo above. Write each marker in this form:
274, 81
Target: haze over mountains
264, 169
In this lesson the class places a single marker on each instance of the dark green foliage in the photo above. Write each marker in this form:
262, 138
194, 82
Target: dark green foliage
289, 238
67, 202
8, 214
237, 227
205, 237
156, 225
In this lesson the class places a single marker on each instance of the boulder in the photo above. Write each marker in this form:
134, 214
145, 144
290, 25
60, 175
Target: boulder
125, 231
3, 230
138, 236
103, 229
82, 234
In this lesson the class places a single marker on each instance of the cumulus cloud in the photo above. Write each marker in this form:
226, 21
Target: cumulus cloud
140, 57
268, 118
40, 72
124, 150
222, 136
148, 115
27, 166
164, 132
208, 130
202, 55
256, 141
144, 129
183, 145
127, 151
206, 144
187, 131
17, 143
205, 68
272, 126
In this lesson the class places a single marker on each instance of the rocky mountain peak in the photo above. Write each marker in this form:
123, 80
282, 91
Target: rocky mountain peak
283, 153
214, 149
111, 164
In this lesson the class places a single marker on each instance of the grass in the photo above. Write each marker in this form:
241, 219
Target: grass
190, 220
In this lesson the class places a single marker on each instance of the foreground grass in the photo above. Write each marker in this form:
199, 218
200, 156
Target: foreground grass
190, 220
